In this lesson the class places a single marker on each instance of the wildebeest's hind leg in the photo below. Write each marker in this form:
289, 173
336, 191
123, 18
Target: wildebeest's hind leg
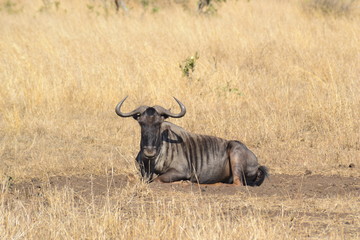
237, 155
244, 165
171, 175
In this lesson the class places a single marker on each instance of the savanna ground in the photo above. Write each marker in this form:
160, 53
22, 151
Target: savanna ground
281, 76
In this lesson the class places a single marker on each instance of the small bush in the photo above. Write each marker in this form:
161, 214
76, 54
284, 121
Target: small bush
188, 65
329, 7
10, 7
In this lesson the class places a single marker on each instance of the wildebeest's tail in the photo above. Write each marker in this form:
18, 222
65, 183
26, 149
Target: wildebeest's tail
261, 174
258, 178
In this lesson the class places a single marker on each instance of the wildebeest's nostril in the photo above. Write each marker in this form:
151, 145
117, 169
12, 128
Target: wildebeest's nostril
149, 151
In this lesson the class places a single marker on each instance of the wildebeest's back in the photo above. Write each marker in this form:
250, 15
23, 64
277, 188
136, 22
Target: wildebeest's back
203, 158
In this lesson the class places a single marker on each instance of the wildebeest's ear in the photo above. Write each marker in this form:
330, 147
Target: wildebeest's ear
171, 137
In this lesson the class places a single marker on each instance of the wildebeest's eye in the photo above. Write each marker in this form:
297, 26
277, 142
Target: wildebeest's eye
136, 116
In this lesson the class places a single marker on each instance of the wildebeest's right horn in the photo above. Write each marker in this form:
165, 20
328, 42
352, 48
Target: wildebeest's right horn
167, 113
138, 110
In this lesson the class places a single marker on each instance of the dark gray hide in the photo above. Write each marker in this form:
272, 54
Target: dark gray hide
169, 153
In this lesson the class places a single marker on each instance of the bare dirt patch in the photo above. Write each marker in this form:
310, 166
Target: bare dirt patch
280, 185
317, 186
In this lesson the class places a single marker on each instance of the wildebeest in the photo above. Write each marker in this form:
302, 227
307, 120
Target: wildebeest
169, 153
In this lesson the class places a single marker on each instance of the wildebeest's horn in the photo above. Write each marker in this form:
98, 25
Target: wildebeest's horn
167, 113
138, 110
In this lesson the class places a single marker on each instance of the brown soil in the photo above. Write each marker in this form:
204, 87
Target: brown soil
308, 186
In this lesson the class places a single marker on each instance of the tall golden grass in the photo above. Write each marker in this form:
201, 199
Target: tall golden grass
283, 82
271, 74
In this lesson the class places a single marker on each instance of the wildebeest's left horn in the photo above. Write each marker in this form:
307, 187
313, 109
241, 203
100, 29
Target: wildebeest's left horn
138, 110
167, 113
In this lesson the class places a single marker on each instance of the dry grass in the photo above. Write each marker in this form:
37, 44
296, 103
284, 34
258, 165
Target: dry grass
137, 212
283, 82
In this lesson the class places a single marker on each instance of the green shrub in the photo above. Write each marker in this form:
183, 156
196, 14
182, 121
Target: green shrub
188, 65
